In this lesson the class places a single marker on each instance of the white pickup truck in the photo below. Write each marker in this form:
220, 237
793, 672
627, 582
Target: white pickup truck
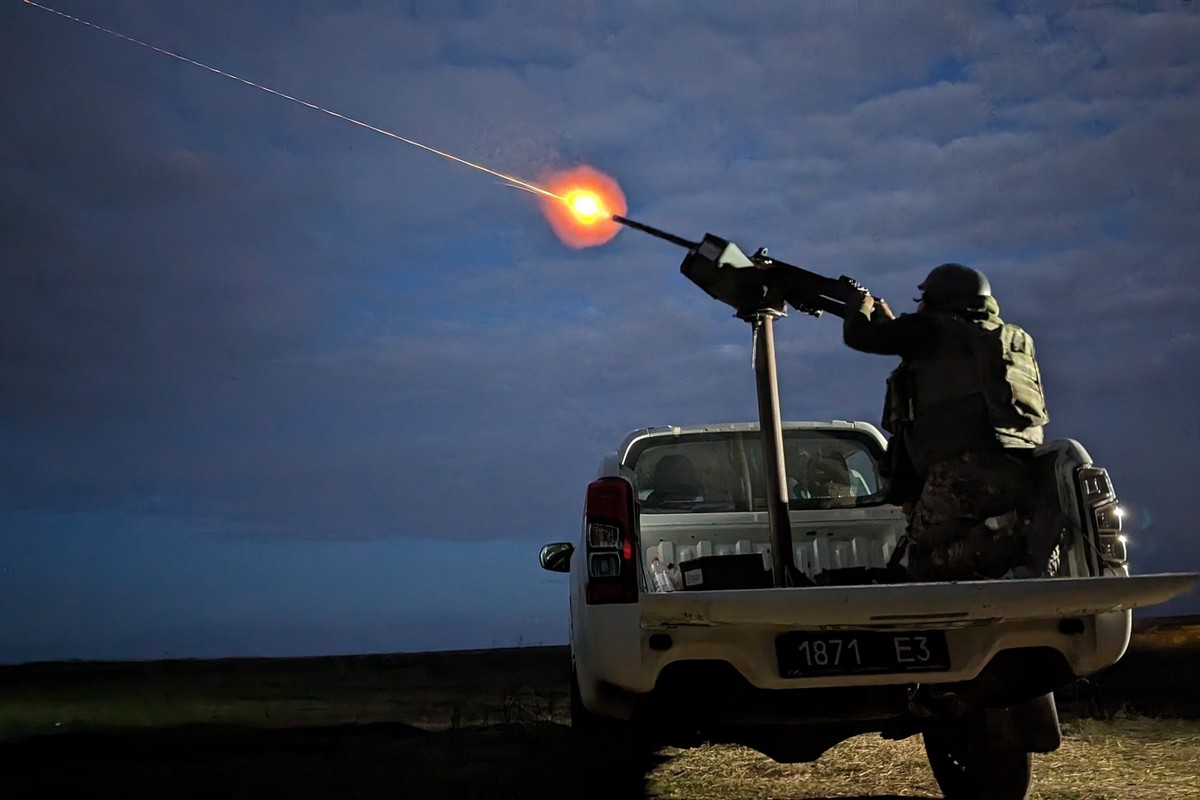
679, 634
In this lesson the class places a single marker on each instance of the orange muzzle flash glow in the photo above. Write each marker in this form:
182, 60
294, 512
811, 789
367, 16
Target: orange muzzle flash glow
583, 203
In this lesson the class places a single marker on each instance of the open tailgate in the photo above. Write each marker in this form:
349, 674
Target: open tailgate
912, 603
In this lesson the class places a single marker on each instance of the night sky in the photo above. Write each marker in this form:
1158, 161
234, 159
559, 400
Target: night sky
273, 384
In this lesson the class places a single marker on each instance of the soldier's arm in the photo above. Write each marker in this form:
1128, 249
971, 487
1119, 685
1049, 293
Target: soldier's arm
870, 332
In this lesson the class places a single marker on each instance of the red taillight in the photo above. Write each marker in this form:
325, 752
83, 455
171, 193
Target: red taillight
608, 533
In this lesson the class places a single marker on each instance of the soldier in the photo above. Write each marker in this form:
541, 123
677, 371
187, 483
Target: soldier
965, 409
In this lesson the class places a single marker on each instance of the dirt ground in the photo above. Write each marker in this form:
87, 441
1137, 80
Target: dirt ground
370, 761
379, 760
1122, 759
493, 724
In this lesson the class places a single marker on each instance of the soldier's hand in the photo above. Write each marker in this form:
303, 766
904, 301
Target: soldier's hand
868, 304
882, 309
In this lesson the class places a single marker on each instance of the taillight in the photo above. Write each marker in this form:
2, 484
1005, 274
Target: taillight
1101, 500
1108, 529
608, 534
1095, 485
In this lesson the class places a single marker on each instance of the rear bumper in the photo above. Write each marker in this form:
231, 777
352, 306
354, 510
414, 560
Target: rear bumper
1088, 645
1030, 656
706, 694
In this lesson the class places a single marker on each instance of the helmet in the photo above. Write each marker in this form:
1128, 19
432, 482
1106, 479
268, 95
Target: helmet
953, 284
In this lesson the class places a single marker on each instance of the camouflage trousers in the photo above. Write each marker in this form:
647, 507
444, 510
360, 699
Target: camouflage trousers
974, 519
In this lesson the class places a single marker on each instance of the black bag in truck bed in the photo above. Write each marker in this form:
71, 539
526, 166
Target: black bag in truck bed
745, 571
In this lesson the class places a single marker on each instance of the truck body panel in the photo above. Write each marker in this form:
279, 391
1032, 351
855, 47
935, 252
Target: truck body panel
707, 644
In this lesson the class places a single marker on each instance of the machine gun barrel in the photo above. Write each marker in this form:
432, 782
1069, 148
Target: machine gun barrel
657, 232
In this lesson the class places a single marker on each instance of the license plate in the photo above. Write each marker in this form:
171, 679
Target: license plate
804, 653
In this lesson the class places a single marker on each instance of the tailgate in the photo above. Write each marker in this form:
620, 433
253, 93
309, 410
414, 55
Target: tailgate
906, 604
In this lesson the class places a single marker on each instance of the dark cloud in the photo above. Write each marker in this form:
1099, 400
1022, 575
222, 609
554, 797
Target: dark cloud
221, 308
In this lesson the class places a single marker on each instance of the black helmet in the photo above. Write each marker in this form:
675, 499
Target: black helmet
954, 284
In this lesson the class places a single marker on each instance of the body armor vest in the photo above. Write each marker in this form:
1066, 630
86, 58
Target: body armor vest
988, 358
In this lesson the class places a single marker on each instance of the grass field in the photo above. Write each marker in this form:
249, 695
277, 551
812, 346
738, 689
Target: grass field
494, 724
1124, 758
430, 691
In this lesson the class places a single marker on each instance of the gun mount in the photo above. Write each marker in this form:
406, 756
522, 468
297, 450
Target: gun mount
759, 289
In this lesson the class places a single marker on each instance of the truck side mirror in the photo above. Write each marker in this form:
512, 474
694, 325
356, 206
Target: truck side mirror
557, 557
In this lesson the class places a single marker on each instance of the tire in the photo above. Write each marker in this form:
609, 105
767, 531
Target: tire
970, 764
614, 755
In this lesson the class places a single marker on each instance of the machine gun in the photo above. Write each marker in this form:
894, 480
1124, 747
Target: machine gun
757, 282
760, 288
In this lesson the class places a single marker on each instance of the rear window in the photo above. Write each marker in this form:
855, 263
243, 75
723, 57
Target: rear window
713, 472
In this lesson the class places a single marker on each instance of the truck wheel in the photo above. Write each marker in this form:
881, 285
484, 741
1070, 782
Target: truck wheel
614, 754
970, 764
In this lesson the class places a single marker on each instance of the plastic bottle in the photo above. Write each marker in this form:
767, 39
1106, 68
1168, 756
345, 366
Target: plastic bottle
662, 579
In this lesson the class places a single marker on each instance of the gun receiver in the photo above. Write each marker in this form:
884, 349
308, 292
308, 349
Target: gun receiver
757, 283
